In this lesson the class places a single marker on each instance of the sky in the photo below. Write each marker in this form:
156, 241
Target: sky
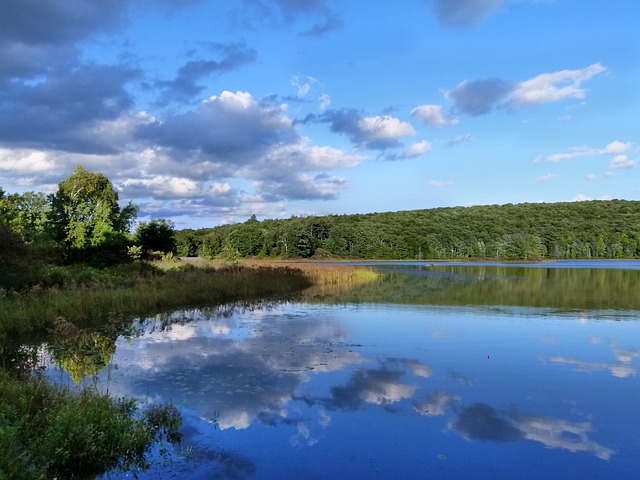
207, 112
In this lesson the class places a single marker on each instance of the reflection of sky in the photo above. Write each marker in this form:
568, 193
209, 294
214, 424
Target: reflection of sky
274, 392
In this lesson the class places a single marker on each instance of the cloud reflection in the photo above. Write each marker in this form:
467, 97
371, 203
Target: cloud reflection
617, 369
371, 386
435, 405
249, 374
483, 422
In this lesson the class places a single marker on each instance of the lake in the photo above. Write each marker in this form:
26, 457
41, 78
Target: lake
437, 370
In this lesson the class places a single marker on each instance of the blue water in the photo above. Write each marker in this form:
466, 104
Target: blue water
390, 391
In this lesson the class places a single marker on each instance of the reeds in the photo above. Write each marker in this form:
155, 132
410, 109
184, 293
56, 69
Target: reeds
167, 285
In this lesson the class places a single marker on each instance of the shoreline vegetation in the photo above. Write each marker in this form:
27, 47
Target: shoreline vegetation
49, 431
89, 297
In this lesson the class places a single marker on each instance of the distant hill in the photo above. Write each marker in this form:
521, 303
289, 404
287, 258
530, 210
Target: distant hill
568, 230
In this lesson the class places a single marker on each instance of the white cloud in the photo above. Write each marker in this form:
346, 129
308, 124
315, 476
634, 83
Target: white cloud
591, 176
384, 128
432, 115
417, 149
480, 97
617, 147
613, 148
622, 161
165, 186
555, 86
25, 161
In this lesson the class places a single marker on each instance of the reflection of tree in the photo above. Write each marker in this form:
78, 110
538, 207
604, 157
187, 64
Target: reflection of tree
80, 353
580, 288
485, 423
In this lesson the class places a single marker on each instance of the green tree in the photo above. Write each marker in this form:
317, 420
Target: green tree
86, 217
157, 235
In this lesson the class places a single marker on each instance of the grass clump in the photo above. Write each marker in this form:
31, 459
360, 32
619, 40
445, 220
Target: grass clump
46, 432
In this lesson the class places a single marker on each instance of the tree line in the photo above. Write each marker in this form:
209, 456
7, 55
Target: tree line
82, 222
601, 229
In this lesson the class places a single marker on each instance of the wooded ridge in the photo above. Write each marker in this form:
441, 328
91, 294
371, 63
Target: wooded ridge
568, 230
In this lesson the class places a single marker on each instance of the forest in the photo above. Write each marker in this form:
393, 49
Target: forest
599, 229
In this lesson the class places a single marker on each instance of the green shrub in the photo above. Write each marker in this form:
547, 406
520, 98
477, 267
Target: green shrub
46, 432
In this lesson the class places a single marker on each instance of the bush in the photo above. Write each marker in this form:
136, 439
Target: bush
48, 433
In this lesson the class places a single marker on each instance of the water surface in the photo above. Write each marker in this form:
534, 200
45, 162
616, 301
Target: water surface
434, 372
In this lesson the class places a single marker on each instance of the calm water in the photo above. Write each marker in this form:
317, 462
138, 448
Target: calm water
441, 371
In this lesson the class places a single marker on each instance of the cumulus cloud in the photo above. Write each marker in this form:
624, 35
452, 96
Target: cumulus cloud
186, 163
67, 109
379, 132
230, 127
622, 161
432, 115
483, 96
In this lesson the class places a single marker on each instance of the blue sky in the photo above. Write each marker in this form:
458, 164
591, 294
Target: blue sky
206, 112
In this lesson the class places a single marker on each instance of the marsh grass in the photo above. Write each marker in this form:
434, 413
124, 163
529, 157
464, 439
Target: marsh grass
90, 297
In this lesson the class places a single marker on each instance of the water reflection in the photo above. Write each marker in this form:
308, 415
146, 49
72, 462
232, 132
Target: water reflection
384, 390
231, 369
585, 287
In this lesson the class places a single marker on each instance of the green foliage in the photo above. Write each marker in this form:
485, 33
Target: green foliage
46, 432
594, 229
26, 214
85, 216
156, 235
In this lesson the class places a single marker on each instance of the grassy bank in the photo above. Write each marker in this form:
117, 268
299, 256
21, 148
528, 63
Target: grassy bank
89, 297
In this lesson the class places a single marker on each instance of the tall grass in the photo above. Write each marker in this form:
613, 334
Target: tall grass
88, 297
